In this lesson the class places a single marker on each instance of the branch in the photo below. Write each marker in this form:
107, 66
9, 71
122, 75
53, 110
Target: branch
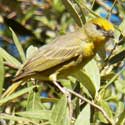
109, 9
94, 105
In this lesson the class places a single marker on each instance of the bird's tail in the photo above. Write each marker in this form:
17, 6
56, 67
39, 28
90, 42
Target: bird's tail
22, 76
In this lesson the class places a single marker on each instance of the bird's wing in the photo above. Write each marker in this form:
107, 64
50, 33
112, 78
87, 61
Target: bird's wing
61, 50
50, 58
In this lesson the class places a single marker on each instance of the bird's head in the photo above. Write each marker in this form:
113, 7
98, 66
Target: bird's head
99, 30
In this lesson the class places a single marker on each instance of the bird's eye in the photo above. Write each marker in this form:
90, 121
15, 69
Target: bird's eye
98, 27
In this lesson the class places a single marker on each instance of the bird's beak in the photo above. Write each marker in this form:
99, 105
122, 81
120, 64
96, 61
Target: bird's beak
109, 34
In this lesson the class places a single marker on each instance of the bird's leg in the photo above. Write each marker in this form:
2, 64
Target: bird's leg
53, 77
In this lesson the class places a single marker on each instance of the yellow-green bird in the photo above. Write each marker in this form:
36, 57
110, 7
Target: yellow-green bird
67, 53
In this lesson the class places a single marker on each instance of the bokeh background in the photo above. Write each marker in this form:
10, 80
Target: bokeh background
26, 25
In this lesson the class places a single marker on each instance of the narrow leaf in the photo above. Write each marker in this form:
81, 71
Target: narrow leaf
15, 95
86, 81
121, 119
107, 109
93, 71
16, 118
18, 45
1, 74
39, 115
70, 7
30, 51
58, 111
10, 59
120, 109
34, 102
117, 57
84, 116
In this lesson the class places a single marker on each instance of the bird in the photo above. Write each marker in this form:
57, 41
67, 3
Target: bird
67, 53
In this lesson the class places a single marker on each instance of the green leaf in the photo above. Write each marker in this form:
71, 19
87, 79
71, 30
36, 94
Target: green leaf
59, 111
120, 86
86, 81
15, 95
1, 74
39, 115
70, 7
84, 116
34, 103
93, 71
18, 45
44, 100
28, 14
121, 27
16, 118
120, 109
57, 5
30, 51
113, 79
10, 59
121, 119
65, 119
83, 11
107, 109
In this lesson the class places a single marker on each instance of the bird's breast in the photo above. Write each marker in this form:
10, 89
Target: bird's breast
88, 50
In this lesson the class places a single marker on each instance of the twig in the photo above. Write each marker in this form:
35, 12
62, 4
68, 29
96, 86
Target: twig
105, 6
70, 106
109, 14
93, 104
89, 9
93, 2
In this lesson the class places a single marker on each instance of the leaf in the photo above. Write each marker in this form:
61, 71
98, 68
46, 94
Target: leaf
117, 57
107, 76
93, 71
112, 79
34, 103
107, 109
29, 15
39, 115
121, 119
120, 86
57, 5
121, 27
82, 11
59, 111
120, 109
1, 74
18, 45
10, 59
86, 81
70, 7
44, 100
15, 95
84, 116
30, 51
16, 118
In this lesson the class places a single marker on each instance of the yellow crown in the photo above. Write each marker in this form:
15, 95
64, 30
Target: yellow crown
105, 24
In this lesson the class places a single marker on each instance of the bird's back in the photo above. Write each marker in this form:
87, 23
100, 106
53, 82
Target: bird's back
63, 49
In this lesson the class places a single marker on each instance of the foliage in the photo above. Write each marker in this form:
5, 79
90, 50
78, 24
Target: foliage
96, 96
